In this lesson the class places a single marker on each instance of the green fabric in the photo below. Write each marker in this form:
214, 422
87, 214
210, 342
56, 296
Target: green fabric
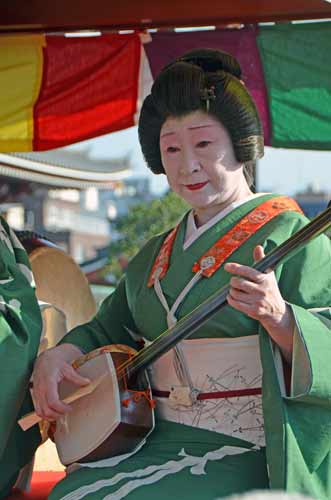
165, 462
20, 329
297, 70
7, 485
311, 449
298, 458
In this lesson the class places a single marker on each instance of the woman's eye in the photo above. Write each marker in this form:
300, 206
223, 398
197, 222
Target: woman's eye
172, 149
203, 144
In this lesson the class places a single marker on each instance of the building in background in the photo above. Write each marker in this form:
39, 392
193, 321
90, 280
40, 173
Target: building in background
68, 196
313, 200
134, 190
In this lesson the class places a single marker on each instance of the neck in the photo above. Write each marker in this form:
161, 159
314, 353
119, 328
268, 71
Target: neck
203, 215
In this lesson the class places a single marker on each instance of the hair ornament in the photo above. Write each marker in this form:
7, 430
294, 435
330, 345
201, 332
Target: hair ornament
247, 141
208, 94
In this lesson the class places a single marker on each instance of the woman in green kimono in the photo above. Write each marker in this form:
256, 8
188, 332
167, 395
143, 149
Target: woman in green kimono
215, 434
20, 330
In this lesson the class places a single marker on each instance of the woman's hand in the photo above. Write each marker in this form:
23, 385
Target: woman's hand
53, 366
257, 295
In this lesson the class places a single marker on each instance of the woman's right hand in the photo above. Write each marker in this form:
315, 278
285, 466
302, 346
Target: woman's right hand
51, 367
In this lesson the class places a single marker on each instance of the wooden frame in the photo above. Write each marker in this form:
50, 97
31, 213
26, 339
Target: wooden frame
67, 15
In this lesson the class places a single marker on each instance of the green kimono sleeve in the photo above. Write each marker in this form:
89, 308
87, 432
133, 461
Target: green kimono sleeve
19, 447
311, 373
111, 324
302, 422
16, 358
310, 401
20, 330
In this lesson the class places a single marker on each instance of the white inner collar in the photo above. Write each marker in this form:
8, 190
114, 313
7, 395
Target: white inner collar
193, 232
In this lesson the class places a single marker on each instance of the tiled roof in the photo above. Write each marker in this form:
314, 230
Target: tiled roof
65, 168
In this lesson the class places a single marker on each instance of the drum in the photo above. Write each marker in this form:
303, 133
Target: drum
60, 283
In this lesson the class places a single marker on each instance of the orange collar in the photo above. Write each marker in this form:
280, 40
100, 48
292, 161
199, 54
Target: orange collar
227, 244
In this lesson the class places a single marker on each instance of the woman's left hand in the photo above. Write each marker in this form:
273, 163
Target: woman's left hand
257, 295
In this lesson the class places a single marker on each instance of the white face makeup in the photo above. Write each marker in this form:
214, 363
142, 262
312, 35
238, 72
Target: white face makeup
200, 164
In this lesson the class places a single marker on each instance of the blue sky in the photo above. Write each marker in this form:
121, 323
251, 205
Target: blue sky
281, 171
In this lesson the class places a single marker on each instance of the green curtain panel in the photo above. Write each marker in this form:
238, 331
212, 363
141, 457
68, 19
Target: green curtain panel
296, 60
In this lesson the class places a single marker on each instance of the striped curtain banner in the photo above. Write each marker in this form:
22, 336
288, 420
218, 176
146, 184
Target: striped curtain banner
56, 90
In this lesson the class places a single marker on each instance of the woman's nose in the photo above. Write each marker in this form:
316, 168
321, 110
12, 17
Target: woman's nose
190, 163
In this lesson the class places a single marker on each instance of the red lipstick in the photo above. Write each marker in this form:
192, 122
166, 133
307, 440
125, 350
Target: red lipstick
195, 187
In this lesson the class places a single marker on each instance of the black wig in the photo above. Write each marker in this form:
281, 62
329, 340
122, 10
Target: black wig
207, 80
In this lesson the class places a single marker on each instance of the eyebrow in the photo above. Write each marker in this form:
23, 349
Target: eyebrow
201, 126
190, 128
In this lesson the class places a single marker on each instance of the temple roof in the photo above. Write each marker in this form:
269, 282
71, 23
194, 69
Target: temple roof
65, 168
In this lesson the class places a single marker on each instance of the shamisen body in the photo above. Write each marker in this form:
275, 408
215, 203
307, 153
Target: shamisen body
209, 447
